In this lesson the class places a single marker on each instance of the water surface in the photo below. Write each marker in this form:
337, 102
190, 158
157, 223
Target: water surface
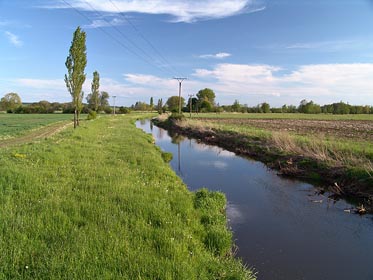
282, 227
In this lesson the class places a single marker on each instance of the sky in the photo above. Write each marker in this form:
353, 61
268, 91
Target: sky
253, 51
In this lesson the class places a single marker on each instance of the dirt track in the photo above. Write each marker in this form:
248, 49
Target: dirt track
43, 132
358, 130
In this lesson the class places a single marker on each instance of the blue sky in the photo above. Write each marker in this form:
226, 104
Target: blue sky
276, 51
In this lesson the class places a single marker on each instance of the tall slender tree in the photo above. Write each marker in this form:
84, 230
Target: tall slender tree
93, 98
75, 77
160, 106
151, 104
104, 100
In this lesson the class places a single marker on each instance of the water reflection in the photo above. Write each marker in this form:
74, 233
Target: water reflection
282, 227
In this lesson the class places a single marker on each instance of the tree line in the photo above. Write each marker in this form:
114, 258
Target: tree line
11, 103
204, 102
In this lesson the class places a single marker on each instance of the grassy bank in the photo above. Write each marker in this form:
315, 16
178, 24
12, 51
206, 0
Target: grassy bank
99, 202
344, 166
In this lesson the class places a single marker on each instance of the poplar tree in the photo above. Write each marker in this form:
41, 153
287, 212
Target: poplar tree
75, 77
151, 104
94, 98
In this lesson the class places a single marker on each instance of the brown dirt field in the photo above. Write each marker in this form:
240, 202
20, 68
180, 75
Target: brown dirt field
357, 130
41, 133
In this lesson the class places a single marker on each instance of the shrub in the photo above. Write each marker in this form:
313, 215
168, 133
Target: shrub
124, 110
177, 116
108, 110
167, 157
91, 115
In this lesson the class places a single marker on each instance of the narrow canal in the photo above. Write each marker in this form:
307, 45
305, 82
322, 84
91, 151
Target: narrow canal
282, 228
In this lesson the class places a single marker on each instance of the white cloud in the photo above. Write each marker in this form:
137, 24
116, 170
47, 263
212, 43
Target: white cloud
180, 10
331, 46
98, 23
220, 55
323, 81
14, 39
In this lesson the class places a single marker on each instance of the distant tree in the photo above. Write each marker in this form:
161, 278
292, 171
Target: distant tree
93, 98
45, 107
265, 108
151, 103
173, 103
140, 106
75, 64
236, 106
367, 110
160, 106
292, 109
309, 107
10, 102
104, 100
205, 106
341, 108
206, 95
124, 110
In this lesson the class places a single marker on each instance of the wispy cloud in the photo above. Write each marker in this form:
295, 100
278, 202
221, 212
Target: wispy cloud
323, 81
104, 23
220, 55
4, 23
14, 39
42, 83
180, 10
332, 46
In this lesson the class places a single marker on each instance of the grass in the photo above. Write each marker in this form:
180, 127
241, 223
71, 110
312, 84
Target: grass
295, 116
12, 125
99, 202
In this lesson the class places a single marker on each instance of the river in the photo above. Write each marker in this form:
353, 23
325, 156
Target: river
283, 229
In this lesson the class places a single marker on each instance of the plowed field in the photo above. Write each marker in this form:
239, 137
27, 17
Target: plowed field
359, 130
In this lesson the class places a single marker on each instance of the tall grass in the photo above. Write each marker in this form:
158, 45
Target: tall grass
99, 202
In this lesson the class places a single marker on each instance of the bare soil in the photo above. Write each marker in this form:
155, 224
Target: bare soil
357, 130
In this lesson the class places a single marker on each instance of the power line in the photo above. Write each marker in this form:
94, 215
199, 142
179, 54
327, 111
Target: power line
117, 29
144, 38
126, 38
113, 37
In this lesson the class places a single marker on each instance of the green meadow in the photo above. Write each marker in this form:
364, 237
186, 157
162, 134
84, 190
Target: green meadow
99, 202
20, 124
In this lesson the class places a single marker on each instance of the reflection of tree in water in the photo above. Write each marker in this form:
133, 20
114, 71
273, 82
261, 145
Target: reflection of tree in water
151, 126
176, 138
143, 121
161, 133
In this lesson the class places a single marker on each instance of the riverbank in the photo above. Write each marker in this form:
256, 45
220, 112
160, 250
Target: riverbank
99, 202
340, 171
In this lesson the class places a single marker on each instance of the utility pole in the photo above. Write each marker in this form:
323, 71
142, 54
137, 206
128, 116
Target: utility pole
114, 96
180, 80
190, 105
